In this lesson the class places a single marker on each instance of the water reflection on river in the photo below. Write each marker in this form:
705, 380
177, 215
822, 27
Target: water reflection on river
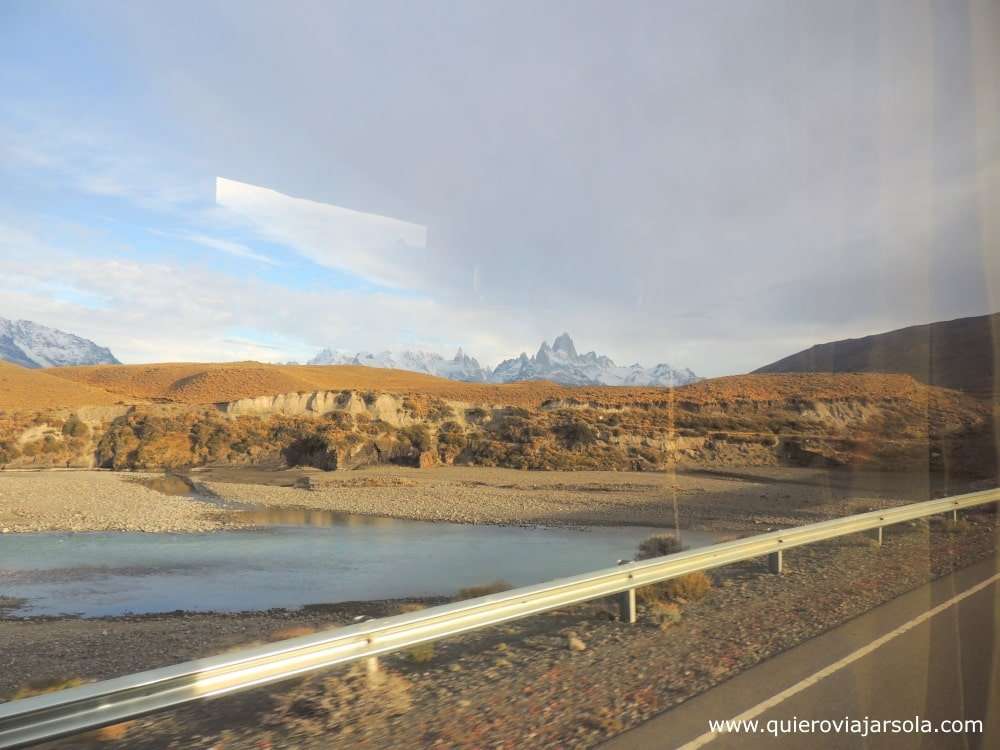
310, 517
298, 557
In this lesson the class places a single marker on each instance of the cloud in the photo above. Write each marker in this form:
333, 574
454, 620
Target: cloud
711, 186
378, 248
83, 156
232, 248
164, 311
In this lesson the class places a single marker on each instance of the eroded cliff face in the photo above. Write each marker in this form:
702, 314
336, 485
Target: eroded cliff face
383, 406
336, 430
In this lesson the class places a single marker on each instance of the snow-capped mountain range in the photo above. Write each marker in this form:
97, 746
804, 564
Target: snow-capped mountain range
558, 362
33, 345
561, 364
461, 367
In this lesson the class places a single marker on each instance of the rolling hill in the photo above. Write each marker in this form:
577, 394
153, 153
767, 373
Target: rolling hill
201, 384
960, 354
22, 389
207, 383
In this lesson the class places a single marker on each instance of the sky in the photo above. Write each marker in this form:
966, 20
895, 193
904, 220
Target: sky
710, 184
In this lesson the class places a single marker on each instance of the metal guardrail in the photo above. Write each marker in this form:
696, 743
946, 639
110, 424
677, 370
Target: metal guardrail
30, 720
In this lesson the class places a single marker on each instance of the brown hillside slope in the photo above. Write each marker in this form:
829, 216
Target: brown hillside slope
22, 389
891, 422
194, 383
960, 354
197, 383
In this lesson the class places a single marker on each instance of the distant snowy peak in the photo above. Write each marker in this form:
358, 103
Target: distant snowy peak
33, 345
460, 367
560, 363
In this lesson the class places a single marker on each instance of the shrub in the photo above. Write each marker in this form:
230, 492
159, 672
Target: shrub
689, 587
513, 428
51, 445
417, 435
450, 435
75, 427
8, 452
665, 614
341, 419
471, 592
358, 701
476, 415
439, 411
575, 433
659, 545
118, 446
421, 653
312, 450
113, 732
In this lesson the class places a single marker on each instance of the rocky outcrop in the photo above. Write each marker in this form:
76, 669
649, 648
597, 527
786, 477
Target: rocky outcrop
384, 406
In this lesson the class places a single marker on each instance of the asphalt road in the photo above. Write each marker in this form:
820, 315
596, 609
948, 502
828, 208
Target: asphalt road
932, 653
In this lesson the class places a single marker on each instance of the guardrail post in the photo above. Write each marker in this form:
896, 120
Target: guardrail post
954, 515
626, 603
877, 534
774, 562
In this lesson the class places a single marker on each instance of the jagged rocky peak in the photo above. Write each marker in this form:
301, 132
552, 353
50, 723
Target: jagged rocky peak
558, 361
564, 345
31, 344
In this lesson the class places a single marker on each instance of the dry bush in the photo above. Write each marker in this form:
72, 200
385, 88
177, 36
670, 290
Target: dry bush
113, 732
650, 595
406, 607
659, 545
471, 592
75, 427
358, 701
689, 587
665, 614
421, 653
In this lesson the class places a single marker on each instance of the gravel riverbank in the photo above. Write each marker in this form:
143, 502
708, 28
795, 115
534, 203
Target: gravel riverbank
716, 501
97, 501
708, 500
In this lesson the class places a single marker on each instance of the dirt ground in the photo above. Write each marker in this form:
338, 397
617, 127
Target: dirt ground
705, 499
